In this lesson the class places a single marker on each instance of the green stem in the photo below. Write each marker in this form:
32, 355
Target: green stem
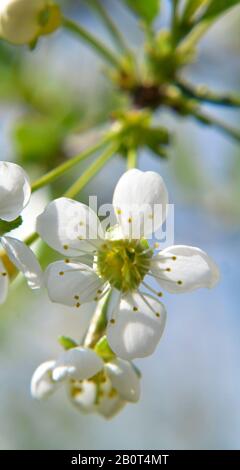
201, 93
204, 118
132, 158
191, 8
174, 17
92, 41
31, 238
191, 40
82, 181
91, 172
111, 26
61, 169
98, 324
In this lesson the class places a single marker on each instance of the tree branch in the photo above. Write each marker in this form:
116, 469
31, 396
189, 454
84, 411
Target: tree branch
91, 171
205, 118
92, 41
202, 93
111, 26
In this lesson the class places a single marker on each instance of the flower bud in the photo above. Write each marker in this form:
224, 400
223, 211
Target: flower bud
23, 21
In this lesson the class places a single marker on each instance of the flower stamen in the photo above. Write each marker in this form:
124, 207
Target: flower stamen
154, 291
148, 304
123, 263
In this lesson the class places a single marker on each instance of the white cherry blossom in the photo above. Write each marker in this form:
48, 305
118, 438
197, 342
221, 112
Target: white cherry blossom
73, 365
15, 192
120, 260
117, 385
92, 385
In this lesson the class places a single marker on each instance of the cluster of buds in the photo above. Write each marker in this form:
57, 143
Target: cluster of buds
134, 130
91, 384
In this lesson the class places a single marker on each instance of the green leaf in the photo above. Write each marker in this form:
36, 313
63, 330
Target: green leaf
6, 227
218, 7
103, 349
67, 343
147, 10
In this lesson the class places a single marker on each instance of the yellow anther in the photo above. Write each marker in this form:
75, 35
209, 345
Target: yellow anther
174, 258
112, 393
78, 304
179, 283
168, 270
160, 294
76, 297
65, 247
135, 309
61, 273
112, 321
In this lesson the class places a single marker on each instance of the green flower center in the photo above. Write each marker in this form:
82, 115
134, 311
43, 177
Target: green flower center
124, 263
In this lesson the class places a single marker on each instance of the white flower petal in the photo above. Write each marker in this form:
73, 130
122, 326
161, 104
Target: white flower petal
72, 283
25, 260
15, 190
182, 268
83, 395
42, 384
109, 406
140, 200
136, 333
124, 379
77, 363
4, 282
69, 227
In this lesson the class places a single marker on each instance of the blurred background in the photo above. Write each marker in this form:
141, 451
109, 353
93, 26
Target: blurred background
191, 385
